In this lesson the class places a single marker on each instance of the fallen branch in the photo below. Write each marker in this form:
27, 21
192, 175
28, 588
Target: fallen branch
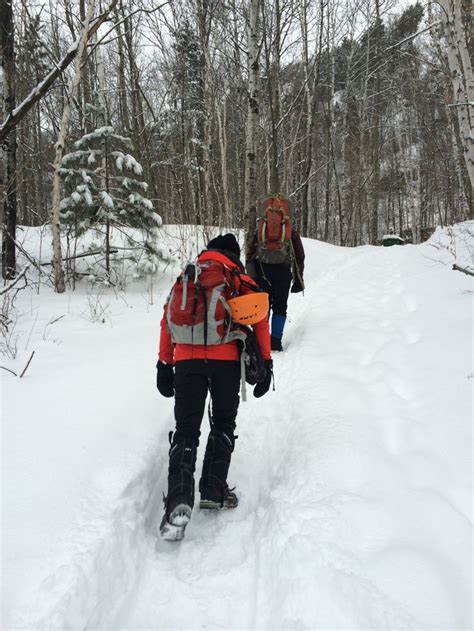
8, 369
11, 285
78, 256
464, 270
27, 256
26, 367
55, 320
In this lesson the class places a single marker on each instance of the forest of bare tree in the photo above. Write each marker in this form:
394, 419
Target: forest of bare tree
359, 111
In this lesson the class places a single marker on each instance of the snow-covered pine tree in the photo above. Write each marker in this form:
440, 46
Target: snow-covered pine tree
107, 191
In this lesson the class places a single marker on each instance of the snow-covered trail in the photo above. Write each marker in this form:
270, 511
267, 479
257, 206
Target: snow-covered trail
345, 504
354, 476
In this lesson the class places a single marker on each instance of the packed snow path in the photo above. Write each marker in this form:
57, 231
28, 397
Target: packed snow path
354, 476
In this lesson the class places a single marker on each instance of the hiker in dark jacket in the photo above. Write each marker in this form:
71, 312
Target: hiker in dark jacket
188, 372
276, 279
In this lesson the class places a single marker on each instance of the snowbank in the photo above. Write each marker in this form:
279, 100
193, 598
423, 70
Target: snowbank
454, 245
354, 476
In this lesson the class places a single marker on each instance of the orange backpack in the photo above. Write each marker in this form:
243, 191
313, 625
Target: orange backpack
274, 231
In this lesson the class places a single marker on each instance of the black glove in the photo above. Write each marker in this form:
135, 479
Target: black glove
264, 386
297, 286
165, 379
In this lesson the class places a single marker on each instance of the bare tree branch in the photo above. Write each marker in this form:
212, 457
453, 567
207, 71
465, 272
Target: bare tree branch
8, 369
464, 270
28, 363
42, 88
15, 282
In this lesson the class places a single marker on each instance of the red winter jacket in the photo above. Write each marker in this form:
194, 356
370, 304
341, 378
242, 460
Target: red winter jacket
170, 353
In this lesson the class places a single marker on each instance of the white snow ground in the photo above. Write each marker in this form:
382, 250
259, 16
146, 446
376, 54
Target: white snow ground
354, 476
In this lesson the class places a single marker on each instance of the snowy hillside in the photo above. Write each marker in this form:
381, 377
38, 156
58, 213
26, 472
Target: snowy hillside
354, 476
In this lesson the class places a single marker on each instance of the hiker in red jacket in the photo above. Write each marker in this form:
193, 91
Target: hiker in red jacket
188, 371
275, 259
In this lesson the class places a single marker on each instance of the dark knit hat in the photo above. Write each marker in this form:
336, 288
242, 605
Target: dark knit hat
226, 242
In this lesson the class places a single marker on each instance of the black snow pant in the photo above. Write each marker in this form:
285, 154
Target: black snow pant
193, 379
276, 280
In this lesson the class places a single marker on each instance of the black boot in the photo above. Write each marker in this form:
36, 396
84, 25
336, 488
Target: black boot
275, 343
218, 498
176, 518
213, 484
180, 499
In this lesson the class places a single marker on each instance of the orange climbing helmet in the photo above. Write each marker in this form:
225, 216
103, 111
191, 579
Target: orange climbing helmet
249, 308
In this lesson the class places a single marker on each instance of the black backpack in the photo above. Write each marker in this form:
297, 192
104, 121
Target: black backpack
255, 370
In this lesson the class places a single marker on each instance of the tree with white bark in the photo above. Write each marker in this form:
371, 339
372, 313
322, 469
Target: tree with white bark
59, 283
253, 109
460, 66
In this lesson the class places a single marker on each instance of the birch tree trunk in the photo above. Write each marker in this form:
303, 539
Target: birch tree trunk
451, 115
462, 79
222, 131
462, 193
252, 120
73, 90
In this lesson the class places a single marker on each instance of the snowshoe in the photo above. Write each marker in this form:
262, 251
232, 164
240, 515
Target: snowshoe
215, 499
174, 522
